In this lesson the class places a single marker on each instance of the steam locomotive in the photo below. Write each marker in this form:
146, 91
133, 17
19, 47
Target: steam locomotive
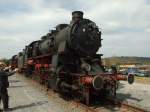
66, 60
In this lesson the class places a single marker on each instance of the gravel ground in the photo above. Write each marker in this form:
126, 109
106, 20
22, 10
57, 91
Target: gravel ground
136, 94
28, 96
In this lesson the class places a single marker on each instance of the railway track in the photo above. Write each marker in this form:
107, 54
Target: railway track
125, 105
114, 105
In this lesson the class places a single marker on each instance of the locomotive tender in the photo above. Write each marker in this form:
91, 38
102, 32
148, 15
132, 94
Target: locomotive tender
66, 59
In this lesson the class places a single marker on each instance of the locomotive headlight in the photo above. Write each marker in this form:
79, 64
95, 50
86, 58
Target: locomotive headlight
83, 30
86, 67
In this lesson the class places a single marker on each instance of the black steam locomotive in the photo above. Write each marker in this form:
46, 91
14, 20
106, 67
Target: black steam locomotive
66, 60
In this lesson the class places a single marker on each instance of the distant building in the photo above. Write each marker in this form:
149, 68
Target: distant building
140, 63
127, 66
138, 66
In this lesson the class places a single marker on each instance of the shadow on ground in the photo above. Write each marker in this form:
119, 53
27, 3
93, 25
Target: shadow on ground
16, 86
111, 106
29, 105
125, 97
13, 81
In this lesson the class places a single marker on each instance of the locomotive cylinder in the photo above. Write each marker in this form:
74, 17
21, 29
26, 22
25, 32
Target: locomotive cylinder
97, 81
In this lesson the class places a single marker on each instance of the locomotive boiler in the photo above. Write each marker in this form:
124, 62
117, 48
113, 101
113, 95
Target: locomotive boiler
81, 36
67, 61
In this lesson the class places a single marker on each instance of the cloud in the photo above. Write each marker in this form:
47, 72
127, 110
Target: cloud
126, 45
147, 30
123, 23
116, 15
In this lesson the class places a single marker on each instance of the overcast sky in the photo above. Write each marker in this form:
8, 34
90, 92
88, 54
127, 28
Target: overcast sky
125, 24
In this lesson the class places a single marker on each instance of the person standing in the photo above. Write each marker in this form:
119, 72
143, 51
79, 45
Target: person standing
4, 84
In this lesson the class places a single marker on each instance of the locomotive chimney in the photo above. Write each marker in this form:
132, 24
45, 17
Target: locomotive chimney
77, 15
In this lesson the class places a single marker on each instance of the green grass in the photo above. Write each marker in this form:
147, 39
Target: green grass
144, 80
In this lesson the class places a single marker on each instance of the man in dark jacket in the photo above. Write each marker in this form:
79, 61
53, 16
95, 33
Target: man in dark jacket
4, 84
